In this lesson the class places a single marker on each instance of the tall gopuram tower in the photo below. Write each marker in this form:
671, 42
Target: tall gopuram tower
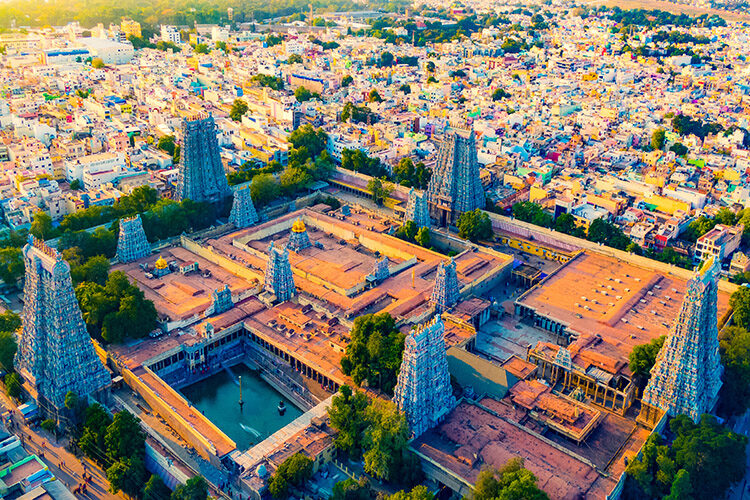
417, 210
455, 187
132, 243
55, 353
423, 390
686, 377
201, 175
243, 212
279, 279
445, 293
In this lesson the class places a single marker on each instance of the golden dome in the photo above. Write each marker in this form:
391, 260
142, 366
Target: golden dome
160, 263
298, 226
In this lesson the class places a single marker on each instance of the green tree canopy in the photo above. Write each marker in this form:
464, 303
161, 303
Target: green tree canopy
657, 139
347, 414
195, 488
643, 357
239, 108
374, 352
294, 471
512, 482
475, 225
155, 489
528, 211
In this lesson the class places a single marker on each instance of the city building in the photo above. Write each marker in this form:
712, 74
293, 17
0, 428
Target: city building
201, 175
686, 377
131, 28
132, 243
445, 294
423, 391
55, 352
170, 34
455, 186
243, 212
719, 243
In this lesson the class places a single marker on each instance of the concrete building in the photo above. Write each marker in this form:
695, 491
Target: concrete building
719, 243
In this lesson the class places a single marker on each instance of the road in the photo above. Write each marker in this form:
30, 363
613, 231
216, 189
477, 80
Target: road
66, 467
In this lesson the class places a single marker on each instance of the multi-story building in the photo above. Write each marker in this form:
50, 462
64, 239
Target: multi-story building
719, 243
170, 34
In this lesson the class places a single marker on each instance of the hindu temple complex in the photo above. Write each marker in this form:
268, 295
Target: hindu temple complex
423, 391
132, 243
201, 175
686, 377
455, 186
55, 352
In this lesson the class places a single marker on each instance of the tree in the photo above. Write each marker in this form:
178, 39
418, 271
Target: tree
740, 304
347, 414
712, 456
679, 149
528, 211
643, 357
97, 63
373, 96
116, 311
386, 59
314, 140
499, 94
155, 489
657, 139
92, 441
13, 385
405, 89
166, 143
346, 81
474, 226
385, 439
8, 349
127, 475
201, 48
681, 488
302, 94
41, 226
430, 66
734, 347
423, 237
124, 437
374, 352
294, 59
195, 488
601, 231
379, 190
566, 223
11, 265
49, 425
75, 184
408, 232
239, 108
512, 482
419, 492
264, 189
350, 489
294, 471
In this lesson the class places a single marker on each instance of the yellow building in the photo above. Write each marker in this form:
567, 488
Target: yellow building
131, 28
667, 205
